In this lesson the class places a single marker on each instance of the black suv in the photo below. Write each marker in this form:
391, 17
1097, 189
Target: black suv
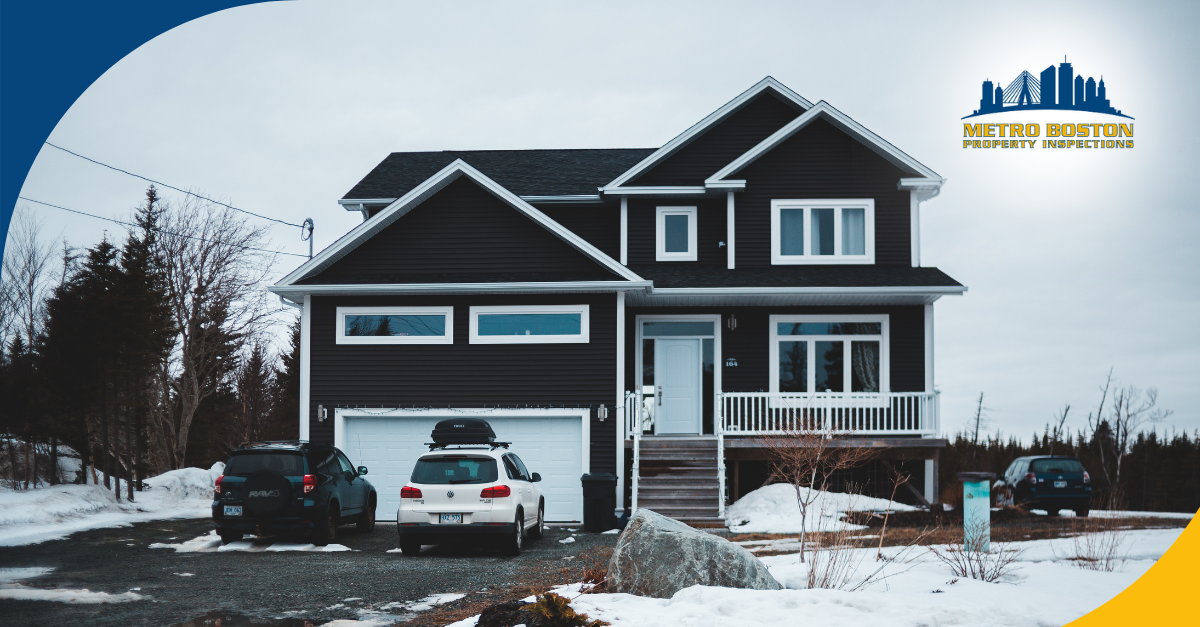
291, 486
1049, 483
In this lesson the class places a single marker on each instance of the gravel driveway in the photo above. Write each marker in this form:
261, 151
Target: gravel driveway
310, 585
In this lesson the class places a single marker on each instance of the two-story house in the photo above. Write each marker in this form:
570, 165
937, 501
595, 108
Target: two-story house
645, 312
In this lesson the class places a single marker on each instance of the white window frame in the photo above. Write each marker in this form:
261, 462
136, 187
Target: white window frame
837, 204
660, 234
885, 383
342, 338
582, 338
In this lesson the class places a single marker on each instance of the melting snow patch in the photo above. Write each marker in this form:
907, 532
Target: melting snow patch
567, 540
426, 603
17, 592
185, 574
611, 532
13, 575
210, 543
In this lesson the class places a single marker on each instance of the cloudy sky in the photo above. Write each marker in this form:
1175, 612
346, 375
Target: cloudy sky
1076, 261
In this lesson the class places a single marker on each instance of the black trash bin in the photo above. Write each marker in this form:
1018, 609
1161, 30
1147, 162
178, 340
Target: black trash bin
599, 501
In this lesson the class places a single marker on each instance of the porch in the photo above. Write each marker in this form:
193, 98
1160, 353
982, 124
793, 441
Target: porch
685, 475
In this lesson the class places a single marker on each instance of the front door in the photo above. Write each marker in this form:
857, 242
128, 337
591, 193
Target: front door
678, 384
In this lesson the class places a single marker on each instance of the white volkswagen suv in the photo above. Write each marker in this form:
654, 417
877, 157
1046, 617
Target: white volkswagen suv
470, 493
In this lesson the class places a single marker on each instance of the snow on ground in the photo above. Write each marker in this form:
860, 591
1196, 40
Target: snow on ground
33, 516
211, 543
12, 586
773, 509
1101, 513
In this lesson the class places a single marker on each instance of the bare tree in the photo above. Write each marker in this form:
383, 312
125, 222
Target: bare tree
1132, 409
1099, 432
26, 277
215, 282
808, 459
1059, 421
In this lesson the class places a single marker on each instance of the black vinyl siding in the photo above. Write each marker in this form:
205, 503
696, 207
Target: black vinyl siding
749, 344
821, 161
463, 233
722, 143
466, 375
600, 225
710, 232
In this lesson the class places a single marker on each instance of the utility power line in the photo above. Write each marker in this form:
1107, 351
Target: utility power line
130, 224
170, 186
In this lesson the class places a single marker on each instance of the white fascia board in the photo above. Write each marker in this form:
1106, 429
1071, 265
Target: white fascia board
925, 188
368, 289
423, 192
941, 290
826, 111
697, 129
357, 204
660, 190
729, 185
565, 200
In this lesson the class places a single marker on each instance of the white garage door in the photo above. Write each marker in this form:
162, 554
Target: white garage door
551, 446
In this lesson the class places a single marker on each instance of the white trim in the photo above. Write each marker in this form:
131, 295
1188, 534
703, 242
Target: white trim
729, 228
582, 338
926, 188
531, 287
305, 365
386, 216
355, 204
929, 349
930, 484
824, 110
700, 127
446, 312
914, 227
837, 204
618, 411
583, 413
939, 290
657, 190
577, 199
624, 231
885, 383
660, 233
716, 319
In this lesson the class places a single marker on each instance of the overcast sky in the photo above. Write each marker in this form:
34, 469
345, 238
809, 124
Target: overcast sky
1076, 261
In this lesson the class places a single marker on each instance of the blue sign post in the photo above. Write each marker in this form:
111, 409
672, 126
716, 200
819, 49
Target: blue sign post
977, 509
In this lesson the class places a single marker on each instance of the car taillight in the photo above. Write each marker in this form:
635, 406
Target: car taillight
495, 492
217, 487
408, 492
1030, 477
1086, 477
310, 483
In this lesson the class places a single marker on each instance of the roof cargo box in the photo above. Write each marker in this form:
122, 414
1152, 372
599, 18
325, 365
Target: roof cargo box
463, 431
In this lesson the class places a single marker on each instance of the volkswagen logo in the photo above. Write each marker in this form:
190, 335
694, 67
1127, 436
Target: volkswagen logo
450, 493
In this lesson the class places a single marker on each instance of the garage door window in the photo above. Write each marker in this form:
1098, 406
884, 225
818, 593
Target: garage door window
541, 324
395, 325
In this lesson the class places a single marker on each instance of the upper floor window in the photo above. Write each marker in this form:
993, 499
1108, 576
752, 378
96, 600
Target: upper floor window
823, 231
530, 324
675, 234
395, 325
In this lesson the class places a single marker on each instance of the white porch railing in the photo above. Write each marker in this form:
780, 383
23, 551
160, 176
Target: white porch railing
634, 421
765, 413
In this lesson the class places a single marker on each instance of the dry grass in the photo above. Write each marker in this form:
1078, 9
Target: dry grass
1097, 544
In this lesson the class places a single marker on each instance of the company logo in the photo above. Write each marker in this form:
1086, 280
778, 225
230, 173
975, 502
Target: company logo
450, 493
1053, 90
263, 493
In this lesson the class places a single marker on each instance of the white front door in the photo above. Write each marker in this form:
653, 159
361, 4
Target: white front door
678, 384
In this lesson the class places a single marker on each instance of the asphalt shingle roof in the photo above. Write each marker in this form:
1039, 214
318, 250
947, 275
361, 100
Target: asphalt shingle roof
523, 172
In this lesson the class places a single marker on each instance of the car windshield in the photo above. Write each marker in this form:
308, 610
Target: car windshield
1055, 465
450, 470
287, 464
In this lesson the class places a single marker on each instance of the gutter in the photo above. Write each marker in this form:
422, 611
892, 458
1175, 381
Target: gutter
451, 288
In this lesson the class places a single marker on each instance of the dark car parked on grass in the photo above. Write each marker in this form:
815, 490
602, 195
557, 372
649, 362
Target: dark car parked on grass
293, 486
1049, 483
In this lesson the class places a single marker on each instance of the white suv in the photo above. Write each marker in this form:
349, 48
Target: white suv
470, 493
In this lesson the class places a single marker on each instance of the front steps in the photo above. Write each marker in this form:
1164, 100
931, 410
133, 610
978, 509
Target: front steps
678, 478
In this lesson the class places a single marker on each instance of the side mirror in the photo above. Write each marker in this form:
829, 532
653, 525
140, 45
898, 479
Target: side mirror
536, 477
362, 470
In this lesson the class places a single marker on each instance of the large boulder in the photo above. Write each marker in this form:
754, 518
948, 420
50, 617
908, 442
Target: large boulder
657, 557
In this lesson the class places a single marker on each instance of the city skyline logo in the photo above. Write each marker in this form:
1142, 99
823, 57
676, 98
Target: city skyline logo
1053, 89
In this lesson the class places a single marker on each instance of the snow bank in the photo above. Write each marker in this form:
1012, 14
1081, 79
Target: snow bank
773, 509
51, 513
12, 587
211, 543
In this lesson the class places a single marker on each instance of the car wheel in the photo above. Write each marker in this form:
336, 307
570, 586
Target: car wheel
366, 523
229, 536
326, 527
410, 548
536, 532
515, 542
1082, 513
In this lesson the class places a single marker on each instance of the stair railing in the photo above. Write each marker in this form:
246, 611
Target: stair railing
634, 417
720, 432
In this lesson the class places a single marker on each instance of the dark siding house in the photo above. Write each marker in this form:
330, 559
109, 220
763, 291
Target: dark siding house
650, 313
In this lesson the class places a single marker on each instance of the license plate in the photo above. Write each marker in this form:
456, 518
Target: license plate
1060, 484
233, 510
451, 519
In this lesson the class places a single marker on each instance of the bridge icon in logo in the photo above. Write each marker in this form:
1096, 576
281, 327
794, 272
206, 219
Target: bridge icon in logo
1054, 88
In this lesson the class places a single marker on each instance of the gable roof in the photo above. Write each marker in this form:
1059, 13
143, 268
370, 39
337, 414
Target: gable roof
426, 189
923, 178
523, 172
702, 126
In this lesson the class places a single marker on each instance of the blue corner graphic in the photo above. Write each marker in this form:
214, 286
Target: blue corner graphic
1028, 92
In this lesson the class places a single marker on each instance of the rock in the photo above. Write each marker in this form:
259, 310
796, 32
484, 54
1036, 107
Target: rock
657, 557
